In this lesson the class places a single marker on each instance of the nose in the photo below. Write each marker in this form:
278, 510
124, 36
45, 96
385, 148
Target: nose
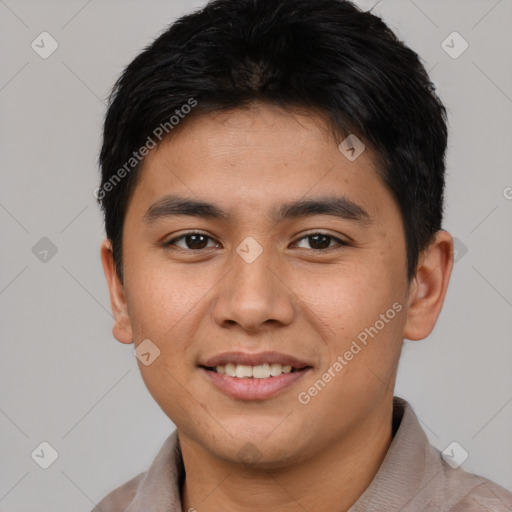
254, 296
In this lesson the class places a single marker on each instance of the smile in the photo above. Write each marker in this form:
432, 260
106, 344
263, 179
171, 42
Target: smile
260, 376
261, 371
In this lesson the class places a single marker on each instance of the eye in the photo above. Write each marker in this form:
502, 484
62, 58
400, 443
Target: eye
196, 241
191, 241
320, 241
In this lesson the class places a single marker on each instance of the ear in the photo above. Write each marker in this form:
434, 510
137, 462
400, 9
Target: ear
428, 288
122, 329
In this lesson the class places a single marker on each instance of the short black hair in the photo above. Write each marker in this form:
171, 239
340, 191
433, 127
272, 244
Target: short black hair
327, 56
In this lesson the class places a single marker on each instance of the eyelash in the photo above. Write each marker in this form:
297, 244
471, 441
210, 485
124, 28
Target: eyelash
341, 243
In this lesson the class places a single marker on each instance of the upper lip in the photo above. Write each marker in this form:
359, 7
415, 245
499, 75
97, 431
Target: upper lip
254, 359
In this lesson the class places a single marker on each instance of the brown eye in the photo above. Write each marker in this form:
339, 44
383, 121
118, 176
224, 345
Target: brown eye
196, 241
191, 241
320, 241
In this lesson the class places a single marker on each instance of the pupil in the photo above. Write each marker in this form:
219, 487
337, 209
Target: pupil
194, 242
323, 244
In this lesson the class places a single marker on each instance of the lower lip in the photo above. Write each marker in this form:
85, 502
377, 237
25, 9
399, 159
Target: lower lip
254, 389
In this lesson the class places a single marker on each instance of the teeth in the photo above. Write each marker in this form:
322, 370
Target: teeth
230, 370
262, 371
243, 371
275, 369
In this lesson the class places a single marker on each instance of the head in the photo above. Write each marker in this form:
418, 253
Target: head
272, 181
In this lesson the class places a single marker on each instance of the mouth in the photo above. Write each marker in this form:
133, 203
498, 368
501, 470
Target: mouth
254, 376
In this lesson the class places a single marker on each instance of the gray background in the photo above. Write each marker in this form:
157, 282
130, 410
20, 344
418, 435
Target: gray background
65, 380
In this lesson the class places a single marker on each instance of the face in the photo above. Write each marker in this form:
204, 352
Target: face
295, 257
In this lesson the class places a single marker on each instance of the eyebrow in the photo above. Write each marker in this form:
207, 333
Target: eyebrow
336, 206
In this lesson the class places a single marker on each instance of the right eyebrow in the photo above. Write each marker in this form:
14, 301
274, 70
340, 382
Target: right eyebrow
171, 206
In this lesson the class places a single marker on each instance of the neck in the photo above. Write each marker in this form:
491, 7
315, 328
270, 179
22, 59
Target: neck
335, 477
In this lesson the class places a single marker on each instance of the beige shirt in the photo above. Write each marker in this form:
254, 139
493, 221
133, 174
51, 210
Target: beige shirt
412, 478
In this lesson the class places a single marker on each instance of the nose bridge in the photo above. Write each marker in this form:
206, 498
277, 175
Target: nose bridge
253, 292
254, 274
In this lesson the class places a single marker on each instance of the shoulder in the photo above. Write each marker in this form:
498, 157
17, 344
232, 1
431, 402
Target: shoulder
430, 482
119, 499
468, 492
158, 488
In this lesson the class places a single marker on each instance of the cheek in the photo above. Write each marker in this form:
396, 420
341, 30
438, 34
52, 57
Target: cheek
347, 298
162, 295
358, 315
165, 308
359, 320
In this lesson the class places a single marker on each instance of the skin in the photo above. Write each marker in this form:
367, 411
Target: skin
194, 304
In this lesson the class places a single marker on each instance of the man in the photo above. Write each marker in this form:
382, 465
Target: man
272, 183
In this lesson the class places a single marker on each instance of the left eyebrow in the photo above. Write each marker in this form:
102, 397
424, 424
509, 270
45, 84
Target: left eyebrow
336, 206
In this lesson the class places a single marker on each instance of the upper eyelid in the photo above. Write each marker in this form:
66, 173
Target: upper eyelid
190, 233
339, 240
319, 232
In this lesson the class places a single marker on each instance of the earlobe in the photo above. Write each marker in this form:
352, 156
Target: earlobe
122, 329
429, 286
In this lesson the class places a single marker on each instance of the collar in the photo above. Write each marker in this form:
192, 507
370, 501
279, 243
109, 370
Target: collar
412, 476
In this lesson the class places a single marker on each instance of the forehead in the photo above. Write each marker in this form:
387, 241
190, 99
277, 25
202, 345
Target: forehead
257, 158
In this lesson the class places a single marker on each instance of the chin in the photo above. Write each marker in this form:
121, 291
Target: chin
258, 448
